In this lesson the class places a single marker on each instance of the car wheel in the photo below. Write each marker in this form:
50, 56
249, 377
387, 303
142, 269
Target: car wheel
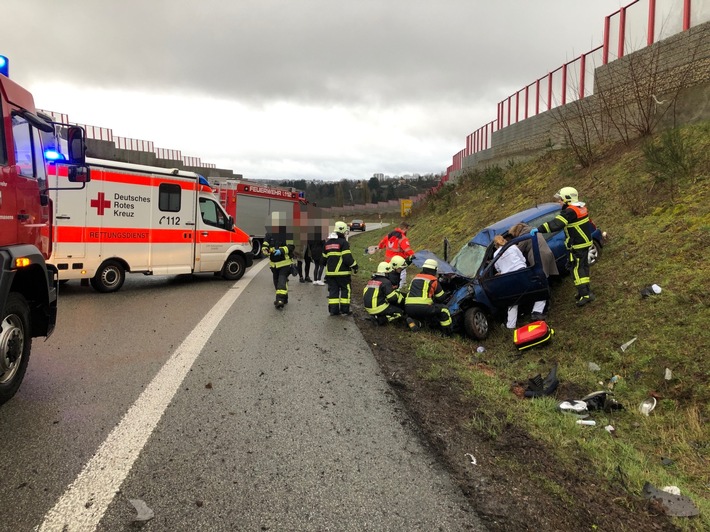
595, 253
234, 268
109, 277
475, 323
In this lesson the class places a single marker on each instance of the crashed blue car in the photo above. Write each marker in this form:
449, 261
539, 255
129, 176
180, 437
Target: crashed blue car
478, 295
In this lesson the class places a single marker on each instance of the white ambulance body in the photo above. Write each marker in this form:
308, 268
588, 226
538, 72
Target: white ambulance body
143, 219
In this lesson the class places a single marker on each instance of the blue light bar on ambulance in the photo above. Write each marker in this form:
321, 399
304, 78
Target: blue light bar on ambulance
4, 66
54, 155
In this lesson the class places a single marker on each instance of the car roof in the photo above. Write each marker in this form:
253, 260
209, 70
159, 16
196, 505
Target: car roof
485, 236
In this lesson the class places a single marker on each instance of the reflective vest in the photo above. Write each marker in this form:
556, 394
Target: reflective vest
396, 243
285, 259
338, 258
379, 294
424, 289
574, 219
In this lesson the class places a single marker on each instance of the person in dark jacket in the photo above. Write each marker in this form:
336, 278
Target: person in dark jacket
549, 264
380, 299
425, 299
574, 219
339, 264
278, 246
317, 245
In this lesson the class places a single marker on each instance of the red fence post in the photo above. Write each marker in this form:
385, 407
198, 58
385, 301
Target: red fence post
564, 84
651, 21
605, 53
509, 103
537, 96
549, 91
526, 100
622, 31
582, 74
686, 15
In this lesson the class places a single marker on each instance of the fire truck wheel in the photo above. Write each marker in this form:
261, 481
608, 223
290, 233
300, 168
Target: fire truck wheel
475, 322
234, 268
15, 344
109, 277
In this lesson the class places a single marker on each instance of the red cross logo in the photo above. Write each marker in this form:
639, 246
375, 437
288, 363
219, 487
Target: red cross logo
101, 204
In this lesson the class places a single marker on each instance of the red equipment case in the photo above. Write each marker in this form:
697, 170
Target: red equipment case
532, 334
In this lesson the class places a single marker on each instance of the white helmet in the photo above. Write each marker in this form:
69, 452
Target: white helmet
341, 227
384, 267
431, 264
567, 194
397, 262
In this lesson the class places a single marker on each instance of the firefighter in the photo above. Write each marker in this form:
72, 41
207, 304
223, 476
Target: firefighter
279, 248
380, 298
398, 265
574, 219
396, 244
424, 300
339, 264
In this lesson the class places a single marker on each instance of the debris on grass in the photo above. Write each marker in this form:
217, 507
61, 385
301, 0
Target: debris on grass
591, 366
651, 290
647, 406
672, 504
625, 346
668, 375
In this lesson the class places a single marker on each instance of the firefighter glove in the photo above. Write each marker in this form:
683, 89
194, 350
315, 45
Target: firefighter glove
533, 231
276, 254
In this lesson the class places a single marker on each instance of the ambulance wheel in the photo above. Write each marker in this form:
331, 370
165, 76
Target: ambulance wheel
15, 344
234, 268
475, 322
256, 248
109, 277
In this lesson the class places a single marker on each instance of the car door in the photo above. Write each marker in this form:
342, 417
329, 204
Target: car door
213, 235
521, 286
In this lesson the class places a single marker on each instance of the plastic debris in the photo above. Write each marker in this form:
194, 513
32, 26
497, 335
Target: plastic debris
578, 408
472, 458
480, 349
651, 290
668, 375
589, 422
538, 387
625, 346
673, 505
613, 381
370, 250
611, 430
673, 490
647, 406
601, 400
591, 366
143, 512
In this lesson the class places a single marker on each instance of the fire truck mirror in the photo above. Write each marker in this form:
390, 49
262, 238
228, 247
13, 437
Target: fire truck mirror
76, 146
79, 174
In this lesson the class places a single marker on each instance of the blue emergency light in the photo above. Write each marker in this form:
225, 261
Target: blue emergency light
4, 66
54, 155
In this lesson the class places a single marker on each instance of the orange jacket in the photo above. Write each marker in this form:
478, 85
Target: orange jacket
396, 243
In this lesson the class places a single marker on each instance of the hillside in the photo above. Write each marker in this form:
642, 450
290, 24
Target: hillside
535, 468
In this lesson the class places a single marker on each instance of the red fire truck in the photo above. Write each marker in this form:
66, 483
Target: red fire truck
28, 286
251, 204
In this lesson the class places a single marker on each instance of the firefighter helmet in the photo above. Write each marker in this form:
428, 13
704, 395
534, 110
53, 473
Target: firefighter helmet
384, 267
567, 194
341, 227
431, 264
397, 262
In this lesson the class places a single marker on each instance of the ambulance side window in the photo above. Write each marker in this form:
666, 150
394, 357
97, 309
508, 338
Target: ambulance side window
169, 196
212, 214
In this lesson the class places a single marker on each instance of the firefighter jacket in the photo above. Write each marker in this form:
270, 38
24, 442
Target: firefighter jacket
379, 294
425, 290
279, 255
339, 261
396, 243
574, 219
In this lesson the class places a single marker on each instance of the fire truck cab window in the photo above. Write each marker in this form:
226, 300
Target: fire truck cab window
24, 152
169, 197
212, 214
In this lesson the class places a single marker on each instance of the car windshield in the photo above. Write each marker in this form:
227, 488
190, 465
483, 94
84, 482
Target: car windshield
469, 259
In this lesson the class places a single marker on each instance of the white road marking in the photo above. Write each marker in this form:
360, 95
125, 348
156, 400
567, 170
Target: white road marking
86, 499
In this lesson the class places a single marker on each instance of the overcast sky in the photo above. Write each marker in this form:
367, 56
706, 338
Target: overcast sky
288, 89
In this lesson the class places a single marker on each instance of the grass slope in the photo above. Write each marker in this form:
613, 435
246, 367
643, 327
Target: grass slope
658, 219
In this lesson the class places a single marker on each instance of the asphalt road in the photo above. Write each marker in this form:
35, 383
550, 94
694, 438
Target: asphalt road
218, 412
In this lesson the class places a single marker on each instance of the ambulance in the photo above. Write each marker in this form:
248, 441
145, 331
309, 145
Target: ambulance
142, 219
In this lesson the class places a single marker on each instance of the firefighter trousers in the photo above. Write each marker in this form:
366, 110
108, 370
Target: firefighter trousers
435, 314
338, 294
280, 276
579, 262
